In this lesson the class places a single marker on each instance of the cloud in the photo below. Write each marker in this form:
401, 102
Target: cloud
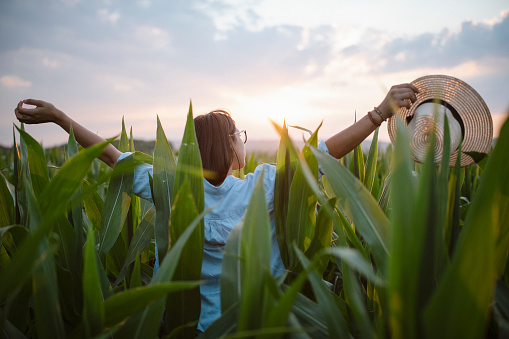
153, 36
49, 62
144, 57
145, 3
472, 42
108, 16
122, 87
70, 2
13, 81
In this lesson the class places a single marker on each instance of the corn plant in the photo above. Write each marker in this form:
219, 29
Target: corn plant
377, 246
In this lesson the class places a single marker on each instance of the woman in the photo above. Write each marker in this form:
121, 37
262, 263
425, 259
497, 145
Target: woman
222, 151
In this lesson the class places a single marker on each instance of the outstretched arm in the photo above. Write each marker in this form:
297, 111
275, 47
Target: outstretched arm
46, 112
345, 141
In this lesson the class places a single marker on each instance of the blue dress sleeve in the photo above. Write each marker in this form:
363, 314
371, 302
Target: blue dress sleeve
141, 182
322, 147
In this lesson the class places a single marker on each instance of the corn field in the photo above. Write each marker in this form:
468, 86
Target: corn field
377, 247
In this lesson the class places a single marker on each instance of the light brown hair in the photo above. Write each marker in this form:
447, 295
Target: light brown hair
213, 131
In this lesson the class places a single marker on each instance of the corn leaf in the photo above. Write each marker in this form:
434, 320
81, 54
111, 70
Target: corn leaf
11, 331
352, 289
66, 182
17, 234
123, 144
146, 324
7, 211
309, 176
36, 163
255, 253
284, 177
332, 316
441, 201
116, 256
184, 306
66, 253
278, 315
230, 270
354, 298
452, 227
371, 163
422, 250
70, 293
401, 291
17, 190
454, 310
355, 261
136, 274
19, 306
135, 200
117, 202
93, 307
308, 315
142, 157
24, 179
350, 232
301, 219
383, 201
130, 302
358, 163
93, 204
45, 295
501, 309
351, 259
356, 201
322, 237
63, 186
189, 166
77, 210
69, 273
225, 324
163, 181
140, 240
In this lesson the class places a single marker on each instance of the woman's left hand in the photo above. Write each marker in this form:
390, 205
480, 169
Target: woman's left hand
399, 96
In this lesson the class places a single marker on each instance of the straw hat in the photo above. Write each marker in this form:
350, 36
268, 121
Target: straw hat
445, 95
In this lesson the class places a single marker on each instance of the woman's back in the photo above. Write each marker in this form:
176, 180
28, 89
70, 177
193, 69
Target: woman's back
231, 199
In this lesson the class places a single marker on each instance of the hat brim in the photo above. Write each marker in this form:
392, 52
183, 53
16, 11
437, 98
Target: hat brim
465, 101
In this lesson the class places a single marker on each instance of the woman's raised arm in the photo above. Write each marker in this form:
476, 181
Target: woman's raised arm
345, 141
46, 112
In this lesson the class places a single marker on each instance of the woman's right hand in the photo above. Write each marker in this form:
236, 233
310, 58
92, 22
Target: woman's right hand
46, 112
41, 113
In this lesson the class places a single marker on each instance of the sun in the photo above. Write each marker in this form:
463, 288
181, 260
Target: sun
288, 104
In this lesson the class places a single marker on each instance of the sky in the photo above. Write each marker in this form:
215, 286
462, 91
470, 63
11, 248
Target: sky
300, 61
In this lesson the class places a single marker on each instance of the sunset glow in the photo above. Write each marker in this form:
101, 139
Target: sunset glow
100, 61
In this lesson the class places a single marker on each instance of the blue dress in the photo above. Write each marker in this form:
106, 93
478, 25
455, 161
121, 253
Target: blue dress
232, 197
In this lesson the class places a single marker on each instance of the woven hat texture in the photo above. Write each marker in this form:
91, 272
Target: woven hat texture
467, 106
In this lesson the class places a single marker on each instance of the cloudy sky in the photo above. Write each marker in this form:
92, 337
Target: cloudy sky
303, 61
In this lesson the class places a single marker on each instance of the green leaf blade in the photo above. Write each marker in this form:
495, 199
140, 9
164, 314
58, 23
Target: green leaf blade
117, 203
356, 201
93, 307
255, 251
184, 307
454, 309
164, 171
